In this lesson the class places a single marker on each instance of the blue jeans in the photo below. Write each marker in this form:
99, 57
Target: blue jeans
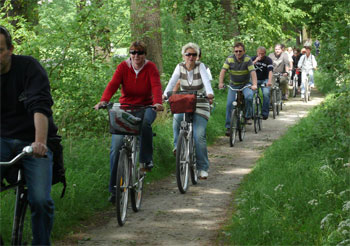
266, 97
248, 99
146, 146
38, 175
199, 134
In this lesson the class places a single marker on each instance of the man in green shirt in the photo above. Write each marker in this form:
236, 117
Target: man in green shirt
241, 69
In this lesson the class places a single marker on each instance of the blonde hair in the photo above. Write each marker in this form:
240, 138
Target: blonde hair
190, 46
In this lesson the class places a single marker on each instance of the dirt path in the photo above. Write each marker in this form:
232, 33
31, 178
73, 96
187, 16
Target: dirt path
170, 218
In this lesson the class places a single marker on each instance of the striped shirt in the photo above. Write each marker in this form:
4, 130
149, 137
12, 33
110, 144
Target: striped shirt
239, 70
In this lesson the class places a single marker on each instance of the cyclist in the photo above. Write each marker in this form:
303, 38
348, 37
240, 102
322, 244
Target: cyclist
26, 119
194, 77
307, 63
241, 69
296, 58
317, 46
281, 65
263, 67
140, 85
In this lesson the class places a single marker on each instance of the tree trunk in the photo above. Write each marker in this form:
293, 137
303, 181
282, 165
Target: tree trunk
145, 26
230, 19
27, 9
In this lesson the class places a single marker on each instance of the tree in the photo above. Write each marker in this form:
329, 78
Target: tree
145, 26
230, 19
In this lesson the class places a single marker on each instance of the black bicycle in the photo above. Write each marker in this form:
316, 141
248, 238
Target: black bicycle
21, 203
257, 109
276, 95
126, 119
237, 120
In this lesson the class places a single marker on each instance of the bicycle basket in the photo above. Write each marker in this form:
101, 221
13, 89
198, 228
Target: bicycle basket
124, 120
182, 103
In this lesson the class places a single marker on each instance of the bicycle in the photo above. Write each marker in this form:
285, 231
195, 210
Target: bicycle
295, 83
126, 119
257, 109
276, 95
307, 88
237, 120
186, 149
21, 192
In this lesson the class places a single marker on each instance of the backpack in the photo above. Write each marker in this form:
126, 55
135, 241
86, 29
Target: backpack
58, 170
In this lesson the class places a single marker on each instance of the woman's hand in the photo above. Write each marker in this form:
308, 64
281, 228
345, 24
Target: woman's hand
98, 106
159, 107
211, 98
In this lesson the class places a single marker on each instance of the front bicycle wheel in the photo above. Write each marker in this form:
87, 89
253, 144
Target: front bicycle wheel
20, 214
278, 101
306, 95
182, 162
274, 103
256, 113
259, 112
122, 186
193, 162
137, 182
241, 127
233, 127
295, 86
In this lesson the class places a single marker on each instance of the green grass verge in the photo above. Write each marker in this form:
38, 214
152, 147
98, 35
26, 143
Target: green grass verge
299, 191
87, 172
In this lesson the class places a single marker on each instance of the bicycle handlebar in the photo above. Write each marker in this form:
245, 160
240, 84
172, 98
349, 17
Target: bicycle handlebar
126, 105
241, 89
28, 150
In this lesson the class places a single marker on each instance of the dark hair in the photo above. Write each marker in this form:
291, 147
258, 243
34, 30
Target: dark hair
7, 35
200, 53
308, 47
280, 45
239, 44
283, 46
139, 45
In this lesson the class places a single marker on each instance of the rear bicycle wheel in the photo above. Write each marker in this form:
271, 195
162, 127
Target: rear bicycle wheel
259, 112
278, 101
137, 181
274, 103
241, 127
193, 162
256, 113
182, 162
20, 214
122, 187
233, 127
306, 95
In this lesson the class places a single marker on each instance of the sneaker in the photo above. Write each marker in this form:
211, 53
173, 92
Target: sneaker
227, 133
312, 86
111, 198
147, 167
265, 117
302, 96
203, 174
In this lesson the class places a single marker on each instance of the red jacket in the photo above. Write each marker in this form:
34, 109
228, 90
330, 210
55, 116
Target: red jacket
143, 89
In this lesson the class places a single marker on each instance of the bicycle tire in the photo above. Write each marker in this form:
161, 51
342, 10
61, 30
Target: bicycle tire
278, 101
256, 113
259, 107
122, 187
136, 191
233, 127
306, 95
274, 103
295, 86
241, 120
193, 163
20, 214
182, 163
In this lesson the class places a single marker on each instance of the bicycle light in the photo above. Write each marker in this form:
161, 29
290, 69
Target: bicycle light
234, 103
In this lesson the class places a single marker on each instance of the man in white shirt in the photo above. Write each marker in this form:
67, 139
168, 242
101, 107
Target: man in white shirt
307, 63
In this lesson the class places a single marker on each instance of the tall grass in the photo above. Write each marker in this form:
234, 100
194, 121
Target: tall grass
299, 191
87, 172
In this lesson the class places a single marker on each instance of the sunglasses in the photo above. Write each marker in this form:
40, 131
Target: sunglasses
238, 51
190, 54
134, 52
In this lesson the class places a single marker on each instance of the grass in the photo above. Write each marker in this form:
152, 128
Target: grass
299, 191
87, 172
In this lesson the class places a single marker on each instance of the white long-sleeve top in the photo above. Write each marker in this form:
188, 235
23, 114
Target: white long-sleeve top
307, 63
176, 75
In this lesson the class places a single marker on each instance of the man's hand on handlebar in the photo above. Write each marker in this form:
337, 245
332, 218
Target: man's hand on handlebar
39, 149
100, 104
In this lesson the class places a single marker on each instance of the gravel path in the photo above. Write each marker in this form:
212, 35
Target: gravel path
169, 218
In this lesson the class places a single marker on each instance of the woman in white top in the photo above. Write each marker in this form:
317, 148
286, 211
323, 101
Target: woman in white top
194, 77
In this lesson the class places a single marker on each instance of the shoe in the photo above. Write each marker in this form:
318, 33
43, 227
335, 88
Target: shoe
302, 96
249, 121
111, 198
147, 167
174, 152
265, 117
312, 86
203, 174
227, 133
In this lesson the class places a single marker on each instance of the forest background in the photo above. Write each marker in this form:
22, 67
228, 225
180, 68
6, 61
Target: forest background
80, 43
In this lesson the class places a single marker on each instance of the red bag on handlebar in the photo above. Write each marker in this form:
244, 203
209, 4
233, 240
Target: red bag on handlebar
182, 103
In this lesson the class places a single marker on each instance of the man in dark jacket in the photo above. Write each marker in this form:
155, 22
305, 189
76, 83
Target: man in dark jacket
26, 119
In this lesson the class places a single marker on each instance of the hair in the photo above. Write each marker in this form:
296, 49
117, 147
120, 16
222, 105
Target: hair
139, 45
280, 45
200, 53
239, 44
262, 48
8, 37
308, 47
283, 46
190, 46
297, 50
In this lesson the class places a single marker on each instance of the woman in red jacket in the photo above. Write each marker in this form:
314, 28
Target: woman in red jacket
140, 85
